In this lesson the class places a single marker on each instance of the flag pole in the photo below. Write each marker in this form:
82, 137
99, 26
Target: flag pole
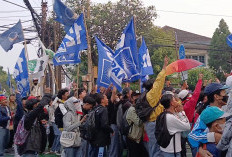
90, 65
78, 73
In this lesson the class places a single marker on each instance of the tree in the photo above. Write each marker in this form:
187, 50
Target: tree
220, 59
3, 80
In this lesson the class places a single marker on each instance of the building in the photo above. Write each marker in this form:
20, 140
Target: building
196, 46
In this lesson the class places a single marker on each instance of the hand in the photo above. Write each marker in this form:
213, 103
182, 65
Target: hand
166, 60
204, 153
16, 91
47, 90
83, 119
205, 83
114, 90
200, 76
85, 86
127, 84
217, 137
210, 81
217, 80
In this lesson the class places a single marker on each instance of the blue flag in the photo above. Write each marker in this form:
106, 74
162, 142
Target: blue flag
8, 79
181, 52
73, 42
105, 58
145, 60
21, 75
229, 40
125, 64
64, 14
11, 37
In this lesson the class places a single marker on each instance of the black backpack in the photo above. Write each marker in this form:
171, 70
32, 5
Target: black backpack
88, 128
143, 108
126, 127
161, 131
58, 117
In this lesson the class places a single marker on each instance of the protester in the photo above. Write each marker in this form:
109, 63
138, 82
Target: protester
35, 89
103, 130
214, 119
176, 122
5, 118
154, 91
81, 95
72, 120
33, 124
216, 95
189, 102
135, 136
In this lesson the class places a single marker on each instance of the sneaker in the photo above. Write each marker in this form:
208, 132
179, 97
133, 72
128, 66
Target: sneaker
58, 153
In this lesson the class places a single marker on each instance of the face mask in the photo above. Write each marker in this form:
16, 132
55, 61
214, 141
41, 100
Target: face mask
222, 126
117, 99
225, 98
35, 84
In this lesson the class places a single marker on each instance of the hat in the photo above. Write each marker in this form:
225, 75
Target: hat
212, 87
183, 94
125, 91
31, 97
135, 93
2, 97
213, 113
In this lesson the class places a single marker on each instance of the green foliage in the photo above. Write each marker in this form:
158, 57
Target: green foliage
3, 80
221, 58
194, 73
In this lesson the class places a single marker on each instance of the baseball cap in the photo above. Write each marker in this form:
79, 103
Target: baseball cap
212, 87
2, 97
213, 113
31, 97
183, 94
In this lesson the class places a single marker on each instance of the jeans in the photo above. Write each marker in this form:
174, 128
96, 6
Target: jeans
114, 148
4, 140
97, 151
165, 154
72, 152
153, 147
56, 144
30, 155
84, 148
194, 150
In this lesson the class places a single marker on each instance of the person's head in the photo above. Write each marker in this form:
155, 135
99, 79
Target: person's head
169, 101
63, 94
31, 103
148, 84
3, 100
184, 94
24, 100
81, 93
216, 94
135, 95
126, 93
102, 99
35, 81
89, 103
214, 118
12, 98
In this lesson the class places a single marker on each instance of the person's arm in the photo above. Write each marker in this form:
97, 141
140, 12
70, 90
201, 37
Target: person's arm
153, 96
3, 118
67, 120
189, 107
175, 124
19, 109
200, 135
114, 93
104, 122
62, 109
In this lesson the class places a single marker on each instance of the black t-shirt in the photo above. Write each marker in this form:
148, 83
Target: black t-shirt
112, 112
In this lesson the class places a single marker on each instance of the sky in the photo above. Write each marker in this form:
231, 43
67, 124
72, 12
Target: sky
197, 16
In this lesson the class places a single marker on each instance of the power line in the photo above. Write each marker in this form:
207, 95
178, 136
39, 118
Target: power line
194, 13
16, 23
14, 16
14, 4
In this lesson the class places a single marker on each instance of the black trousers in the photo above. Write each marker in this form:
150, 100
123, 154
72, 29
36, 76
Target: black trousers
51, 137
136, 149
11, 141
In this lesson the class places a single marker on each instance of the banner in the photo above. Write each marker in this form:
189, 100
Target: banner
184, 74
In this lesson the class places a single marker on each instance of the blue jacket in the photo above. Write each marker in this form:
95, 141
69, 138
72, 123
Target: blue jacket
199, 134
4, 118
19, 110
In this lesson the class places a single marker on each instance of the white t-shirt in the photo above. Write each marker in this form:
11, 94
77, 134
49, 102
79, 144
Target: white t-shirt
175, 125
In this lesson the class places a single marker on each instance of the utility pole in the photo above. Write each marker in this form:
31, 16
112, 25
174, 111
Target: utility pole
44, 20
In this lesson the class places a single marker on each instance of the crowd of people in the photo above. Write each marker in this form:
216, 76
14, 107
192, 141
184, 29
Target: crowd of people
159, 122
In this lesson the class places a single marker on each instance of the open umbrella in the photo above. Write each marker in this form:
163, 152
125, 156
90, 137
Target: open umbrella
182, 65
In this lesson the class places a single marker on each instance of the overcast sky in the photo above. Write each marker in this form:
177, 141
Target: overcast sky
196, 16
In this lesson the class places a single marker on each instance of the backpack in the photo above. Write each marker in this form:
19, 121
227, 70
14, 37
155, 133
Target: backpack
126, 127
143, 108
88, 128
161, 131
58, 117
21, 133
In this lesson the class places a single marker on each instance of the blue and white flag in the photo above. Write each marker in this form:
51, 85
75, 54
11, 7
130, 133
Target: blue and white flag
64, 14
11, 37
125, 64
21, 75
73, 42
145, 60
182, 52
8, 78
229, 40
105, 58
